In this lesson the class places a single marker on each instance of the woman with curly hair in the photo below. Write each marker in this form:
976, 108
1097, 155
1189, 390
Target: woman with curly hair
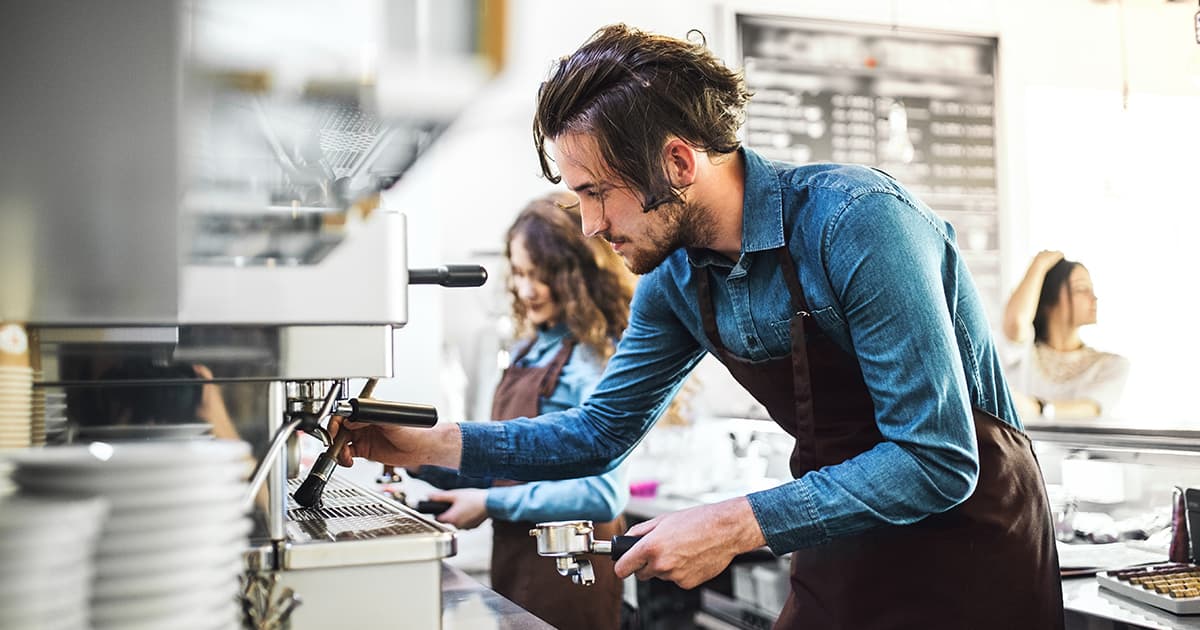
570, 303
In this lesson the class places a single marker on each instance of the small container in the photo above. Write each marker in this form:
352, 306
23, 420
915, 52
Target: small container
1180, 548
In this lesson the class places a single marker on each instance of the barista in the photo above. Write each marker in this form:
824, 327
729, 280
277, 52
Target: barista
832, 294
570, 299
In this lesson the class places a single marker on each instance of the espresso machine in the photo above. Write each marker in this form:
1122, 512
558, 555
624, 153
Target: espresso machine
198, 236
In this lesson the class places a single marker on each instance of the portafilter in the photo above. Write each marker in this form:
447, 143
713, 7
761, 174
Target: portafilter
568, 541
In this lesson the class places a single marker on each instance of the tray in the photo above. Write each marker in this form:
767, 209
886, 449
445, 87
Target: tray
1140, 584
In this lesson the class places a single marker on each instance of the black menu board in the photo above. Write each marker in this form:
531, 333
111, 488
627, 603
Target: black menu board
919, 105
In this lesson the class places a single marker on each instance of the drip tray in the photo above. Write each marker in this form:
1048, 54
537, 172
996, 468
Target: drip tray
354, 526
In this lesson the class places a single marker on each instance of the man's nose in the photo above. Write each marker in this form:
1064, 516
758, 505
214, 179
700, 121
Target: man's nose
594, 220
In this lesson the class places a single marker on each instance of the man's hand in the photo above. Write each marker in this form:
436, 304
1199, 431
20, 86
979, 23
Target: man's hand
692, 546
399, 446
468, 507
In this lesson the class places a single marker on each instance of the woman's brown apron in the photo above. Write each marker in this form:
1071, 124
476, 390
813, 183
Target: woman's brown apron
518, 573
988, 563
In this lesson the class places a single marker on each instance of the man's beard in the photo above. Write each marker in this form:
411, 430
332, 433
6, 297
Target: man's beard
680, 225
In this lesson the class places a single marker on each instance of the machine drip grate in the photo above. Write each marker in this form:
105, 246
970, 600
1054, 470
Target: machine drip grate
348, 513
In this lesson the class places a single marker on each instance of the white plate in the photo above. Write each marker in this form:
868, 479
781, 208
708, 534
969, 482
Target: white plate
145, 585
138, 608
162, 540
41, 603
140, 455
48, 558
73, 582
25, 511
68, 617
202, 556
183, 476
121, 500
207, 514
219, 617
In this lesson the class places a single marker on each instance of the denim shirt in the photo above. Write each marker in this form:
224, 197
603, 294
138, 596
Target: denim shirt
882, 276
598, 498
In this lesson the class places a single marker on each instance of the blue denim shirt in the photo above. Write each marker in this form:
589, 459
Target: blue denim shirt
882, 276
598, 498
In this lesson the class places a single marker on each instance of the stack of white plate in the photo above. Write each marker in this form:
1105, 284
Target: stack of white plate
46, 569
169, 555
16, 406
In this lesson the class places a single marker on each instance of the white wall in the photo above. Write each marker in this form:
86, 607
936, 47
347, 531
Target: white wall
1114, 189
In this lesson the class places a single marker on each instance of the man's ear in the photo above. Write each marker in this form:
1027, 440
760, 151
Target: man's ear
680, 160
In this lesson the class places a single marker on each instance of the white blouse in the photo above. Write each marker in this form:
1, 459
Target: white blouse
1040, 371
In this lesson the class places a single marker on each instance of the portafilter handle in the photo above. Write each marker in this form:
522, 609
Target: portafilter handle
568, 541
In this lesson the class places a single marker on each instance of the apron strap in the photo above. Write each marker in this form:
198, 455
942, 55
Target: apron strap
801, 382
555, 368
801, 376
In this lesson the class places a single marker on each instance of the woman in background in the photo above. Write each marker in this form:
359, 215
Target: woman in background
1051, 371
570, 303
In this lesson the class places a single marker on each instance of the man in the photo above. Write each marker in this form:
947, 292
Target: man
839, 301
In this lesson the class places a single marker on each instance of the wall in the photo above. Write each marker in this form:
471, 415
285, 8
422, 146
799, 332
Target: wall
1075, 167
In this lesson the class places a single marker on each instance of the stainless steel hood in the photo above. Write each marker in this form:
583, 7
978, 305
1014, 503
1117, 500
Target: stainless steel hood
196, 162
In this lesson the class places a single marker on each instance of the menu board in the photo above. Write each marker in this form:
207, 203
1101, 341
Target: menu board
918, 105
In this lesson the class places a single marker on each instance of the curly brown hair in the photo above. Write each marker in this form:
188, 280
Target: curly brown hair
632, 90
587, 279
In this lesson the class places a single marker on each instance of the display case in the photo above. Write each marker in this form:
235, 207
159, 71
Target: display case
1113, 490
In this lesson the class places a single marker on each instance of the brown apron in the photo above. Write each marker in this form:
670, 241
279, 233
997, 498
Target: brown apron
518, 573
988, 563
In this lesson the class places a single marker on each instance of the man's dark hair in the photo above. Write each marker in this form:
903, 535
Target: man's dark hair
631, 90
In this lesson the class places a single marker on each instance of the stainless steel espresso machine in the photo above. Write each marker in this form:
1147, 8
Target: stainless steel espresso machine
195, 229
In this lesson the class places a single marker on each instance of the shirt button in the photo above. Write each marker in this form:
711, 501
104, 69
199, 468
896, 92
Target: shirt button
750, 341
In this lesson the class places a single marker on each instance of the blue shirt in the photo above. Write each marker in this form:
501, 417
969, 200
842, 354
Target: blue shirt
599, 498
882, 276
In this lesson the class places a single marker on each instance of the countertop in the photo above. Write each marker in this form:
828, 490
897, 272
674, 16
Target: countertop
1083, 595
469, 605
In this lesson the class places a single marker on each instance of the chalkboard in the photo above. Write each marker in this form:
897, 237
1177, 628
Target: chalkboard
918, 105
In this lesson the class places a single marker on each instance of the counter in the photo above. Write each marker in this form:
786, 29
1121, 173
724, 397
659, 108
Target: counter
469, 605
1090, 607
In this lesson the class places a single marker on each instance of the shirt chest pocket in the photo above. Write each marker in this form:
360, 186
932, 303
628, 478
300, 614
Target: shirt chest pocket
782, 331
819, 321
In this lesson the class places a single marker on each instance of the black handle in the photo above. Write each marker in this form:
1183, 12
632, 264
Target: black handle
450, 276
621, 544
384, 412
432, 507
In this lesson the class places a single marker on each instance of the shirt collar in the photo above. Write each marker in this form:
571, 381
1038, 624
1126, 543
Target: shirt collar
552, 334
762, 212
762, 205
